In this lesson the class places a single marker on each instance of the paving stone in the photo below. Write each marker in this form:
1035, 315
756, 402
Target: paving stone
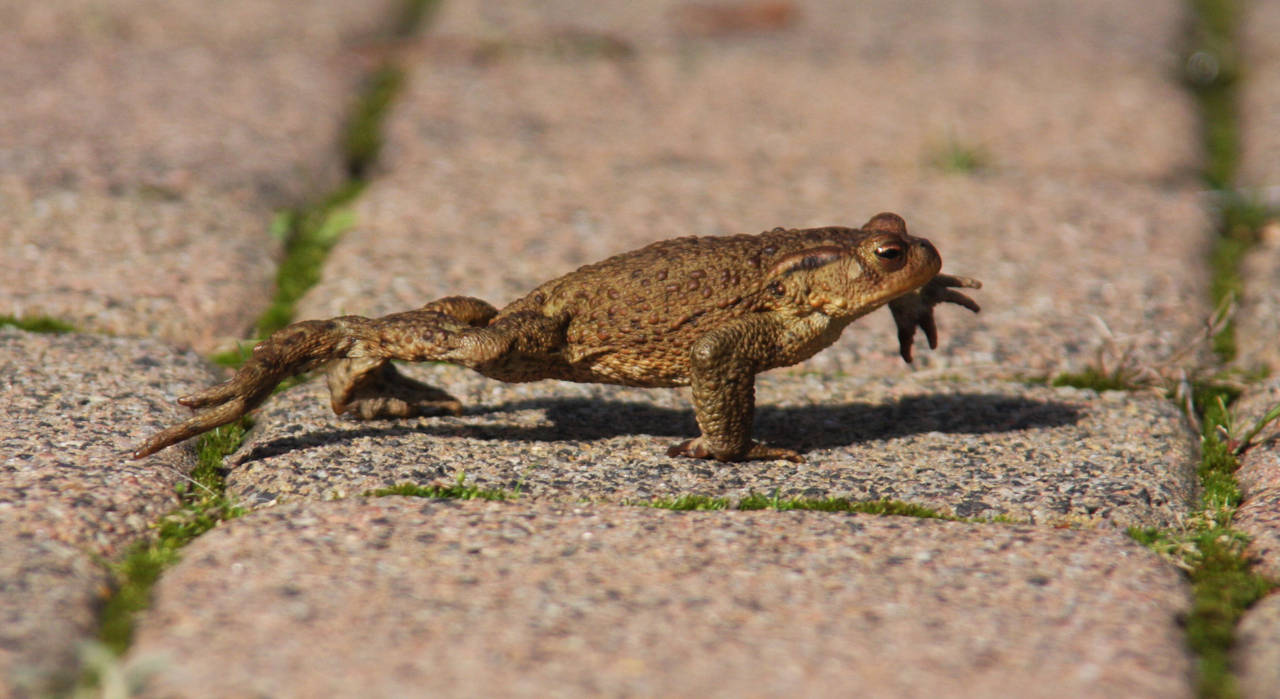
1258, 313
145, 146
49, 593
69, 496
1260, 100
194, 271
1258, 323
388, 597
1257, 650
975, 449
502, 172
1259, 478
245, 98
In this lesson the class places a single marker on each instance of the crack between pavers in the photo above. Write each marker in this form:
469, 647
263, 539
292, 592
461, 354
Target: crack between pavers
1209, 550
309, 233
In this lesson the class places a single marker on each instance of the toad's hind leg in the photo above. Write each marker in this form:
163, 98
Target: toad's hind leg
370, 387
444, 331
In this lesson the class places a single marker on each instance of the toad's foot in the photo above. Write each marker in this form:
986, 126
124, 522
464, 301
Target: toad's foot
367, 389
697, 448
287, 352
915, 310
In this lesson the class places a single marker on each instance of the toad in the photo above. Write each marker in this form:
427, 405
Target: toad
704, 312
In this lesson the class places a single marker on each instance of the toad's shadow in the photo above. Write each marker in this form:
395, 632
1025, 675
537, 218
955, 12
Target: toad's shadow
804, 427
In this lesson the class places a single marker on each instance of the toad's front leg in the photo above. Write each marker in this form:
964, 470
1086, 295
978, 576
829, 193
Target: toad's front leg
723, 365
915, 309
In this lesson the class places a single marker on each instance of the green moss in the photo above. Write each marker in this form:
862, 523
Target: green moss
312, 233
1093, 378
38, 324
1214, 554
308, 234
960, 158
686, 503
414, 15
1212, 74
773, 502
363, 139
204, 504
457, 491
1223, 585
874, 507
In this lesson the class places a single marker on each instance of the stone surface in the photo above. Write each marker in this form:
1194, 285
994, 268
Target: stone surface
1259, 478
49, 593
69, 496
194, 271
975, 449
145, 146
1258, 311
1257, 651
390, 596
245, 98
74, 406
1258, 321
1260, 100
518, 154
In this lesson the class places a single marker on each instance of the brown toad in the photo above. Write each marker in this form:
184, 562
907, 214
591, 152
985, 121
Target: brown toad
708, 312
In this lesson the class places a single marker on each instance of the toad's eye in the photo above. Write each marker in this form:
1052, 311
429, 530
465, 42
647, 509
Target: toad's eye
890, 251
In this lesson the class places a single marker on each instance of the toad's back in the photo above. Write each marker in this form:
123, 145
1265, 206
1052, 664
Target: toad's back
633, 318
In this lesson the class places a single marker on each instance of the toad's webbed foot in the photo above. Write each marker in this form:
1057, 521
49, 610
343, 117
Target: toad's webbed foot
362, 379
290, 351
915, 309
697, 448
367, 389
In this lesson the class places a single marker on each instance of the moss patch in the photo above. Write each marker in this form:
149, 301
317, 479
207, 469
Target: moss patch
1093, 378
204, 504
960, 158
458, 491
37, 324
1213, 554
773, 502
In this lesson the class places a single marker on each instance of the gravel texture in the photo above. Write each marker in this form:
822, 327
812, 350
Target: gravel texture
1258, 312
74, 406
976, 449
69, 497
246, 98
196, 271
1257, 651
145, 146
398, 595
515, 159
1260, 99
1259, 477
49, 593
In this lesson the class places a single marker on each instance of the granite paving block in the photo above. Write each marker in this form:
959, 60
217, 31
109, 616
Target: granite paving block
1257, 650
146, 145
1259, 316
973, 58
195, 271
1086, 226
1258, 310
49, 593
69, 495
400, 596
244, 97
1260, 99
1259, 478
975, 449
